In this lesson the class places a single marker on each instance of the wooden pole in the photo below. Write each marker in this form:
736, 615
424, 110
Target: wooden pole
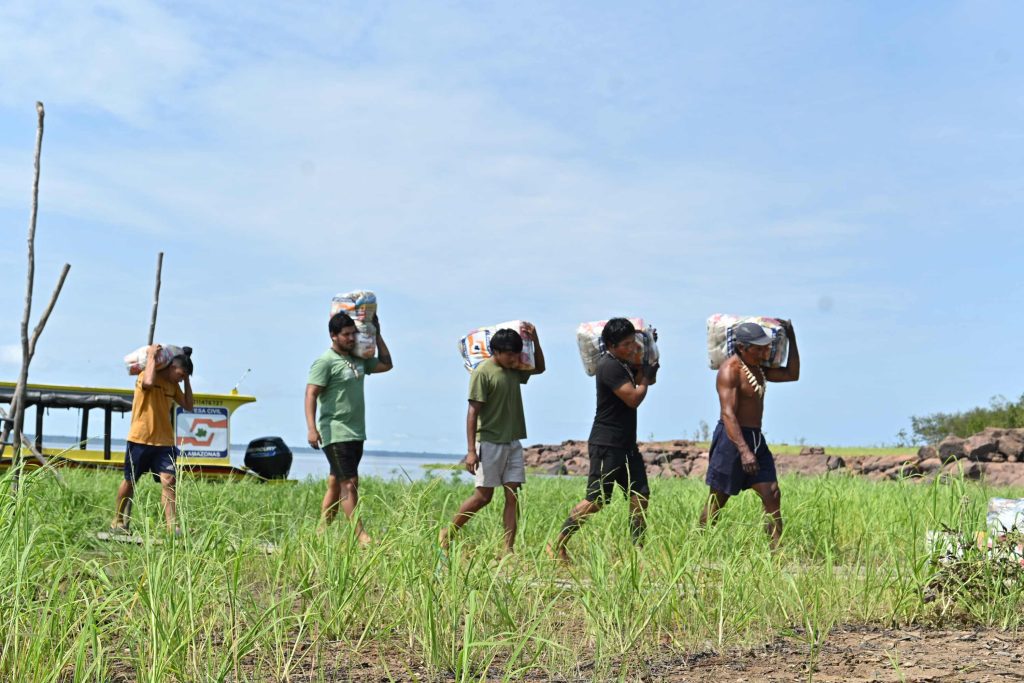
156, 297
28, 344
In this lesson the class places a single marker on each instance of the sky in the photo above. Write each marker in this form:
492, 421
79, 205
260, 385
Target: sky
856, 167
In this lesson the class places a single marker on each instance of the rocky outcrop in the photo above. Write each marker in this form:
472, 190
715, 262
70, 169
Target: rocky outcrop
997, 455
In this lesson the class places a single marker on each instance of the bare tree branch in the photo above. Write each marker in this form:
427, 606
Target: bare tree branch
46, 313
156, 297
18, 400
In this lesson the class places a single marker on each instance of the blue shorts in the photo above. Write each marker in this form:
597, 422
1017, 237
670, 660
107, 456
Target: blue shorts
725, 470
140, 458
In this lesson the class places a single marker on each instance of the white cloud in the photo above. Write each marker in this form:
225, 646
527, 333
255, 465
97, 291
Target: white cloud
124, 58
10, 354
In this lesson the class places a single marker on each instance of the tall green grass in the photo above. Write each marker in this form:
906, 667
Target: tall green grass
215, 606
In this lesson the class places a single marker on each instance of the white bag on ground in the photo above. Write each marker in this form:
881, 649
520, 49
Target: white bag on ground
588, 338
361, 306
721, 343
1005, 515
136, 360
475, 347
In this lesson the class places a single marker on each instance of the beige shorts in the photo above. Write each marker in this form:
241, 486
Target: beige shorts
500, 463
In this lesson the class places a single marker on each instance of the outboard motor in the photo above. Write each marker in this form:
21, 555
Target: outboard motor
269, 457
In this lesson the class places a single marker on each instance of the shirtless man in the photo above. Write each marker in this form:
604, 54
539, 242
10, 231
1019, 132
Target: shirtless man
740, 458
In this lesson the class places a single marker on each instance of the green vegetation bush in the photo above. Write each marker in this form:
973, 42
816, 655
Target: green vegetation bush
1000, 413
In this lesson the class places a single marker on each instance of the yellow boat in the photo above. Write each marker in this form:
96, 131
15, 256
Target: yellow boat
203, 435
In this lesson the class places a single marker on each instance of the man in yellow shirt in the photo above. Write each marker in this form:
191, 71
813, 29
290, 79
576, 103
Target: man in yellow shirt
151, 446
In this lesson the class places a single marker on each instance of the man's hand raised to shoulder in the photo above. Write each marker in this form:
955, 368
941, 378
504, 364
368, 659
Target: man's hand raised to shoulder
384, 362
149, 373
530, 331
791, 371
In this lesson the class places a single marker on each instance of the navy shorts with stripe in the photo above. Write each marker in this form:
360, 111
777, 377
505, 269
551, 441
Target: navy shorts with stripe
725, 470
140, 458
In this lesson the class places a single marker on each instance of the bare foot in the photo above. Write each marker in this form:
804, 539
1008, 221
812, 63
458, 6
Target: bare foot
442, 540
364, 539
561, 555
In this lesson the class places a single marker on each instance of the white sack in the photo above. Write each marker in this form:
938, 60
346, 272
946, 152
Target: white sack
135, 361
361, 306
588, 338
1005, 515
366, 340
721, 343
475, 347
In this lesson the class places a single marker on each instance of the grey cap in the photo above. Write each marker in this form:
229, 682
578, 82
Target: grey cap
751, 333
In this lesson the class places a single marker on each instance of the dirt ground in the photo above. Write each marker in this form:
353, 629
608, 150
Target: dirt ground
852, 654
861, 654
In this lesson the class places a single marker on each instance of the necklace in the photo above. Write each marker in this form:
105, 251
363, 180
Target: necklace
759, 384
350, 364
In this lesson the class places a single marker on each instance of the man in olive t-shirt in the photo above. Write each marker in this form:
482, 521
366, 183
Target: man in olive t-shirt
335, 384
495, 419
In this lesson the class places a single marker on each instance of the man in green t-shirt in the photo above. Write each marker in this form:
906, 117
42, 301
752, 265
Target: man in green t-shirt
336, 384
495, 418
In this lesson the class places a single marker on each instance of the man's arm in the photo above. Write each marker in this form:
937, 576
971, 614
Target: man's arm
632, 395
384, 362
149, 372
188, 404
728, 385
539, 366
472, 416
312, 433
791, 372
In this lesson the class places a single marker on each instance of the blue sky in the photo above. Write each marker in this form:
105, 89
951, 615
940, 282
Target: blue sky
857, 167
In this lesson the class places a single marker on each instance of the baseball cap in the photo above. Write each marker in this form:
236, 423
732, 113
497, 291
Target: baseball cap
751, 333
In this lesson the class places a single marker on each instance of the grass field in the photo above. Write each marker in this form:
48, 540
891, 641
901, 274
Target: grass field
214, 606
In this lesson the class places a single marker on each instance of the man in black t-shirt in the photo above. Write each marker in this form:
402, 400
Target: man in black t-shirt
622, 383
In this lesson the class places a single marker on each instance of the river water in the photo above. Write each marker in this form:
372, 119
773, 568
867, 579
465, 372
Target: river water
310, 464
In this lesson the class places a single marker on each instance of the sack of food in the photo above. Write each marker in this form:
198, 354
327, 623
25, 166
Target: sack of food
360, 305
136, 360
366, 340
475, 347
588, 338
722, 343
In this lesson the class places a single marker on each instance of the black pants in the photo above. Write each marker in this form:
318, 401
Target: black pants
611, 465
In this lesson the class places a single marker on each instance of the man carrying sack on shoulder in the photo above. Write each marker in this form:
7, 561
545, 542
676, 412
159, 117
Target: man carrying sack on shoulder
739, 457
495, 419
151, 444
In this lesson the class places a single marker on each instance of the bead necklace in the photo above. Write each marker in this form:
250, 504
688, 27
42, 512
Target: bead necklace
759, 385
349, 363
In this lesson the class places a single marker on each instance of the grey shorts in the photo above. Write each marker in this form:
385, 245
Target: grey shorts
500, 463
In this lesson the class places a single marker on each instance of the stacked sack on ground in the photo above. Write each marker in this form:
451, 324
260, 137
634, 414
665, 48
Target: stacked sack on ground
475, 347
721, 343
135, 361
361, 306
588, 338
